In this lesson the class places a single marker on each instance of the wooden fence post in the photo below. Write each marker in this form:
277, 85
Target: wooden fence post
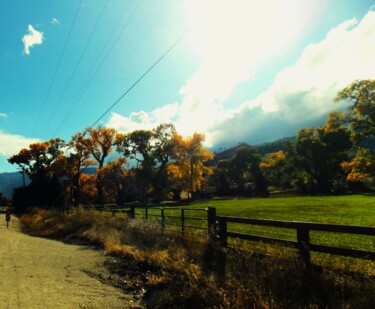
303, 239
183, 222
222, 232
211, 219
222, 241
162, 218
131, 214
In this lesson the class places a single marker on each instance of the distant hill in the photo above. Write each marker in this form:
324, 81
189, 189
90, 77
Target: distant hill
9, 181
280, 144
264, 148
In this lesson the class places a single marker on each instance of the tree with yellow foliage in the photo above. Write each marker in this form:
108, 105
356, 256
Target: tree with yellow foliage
100, 144
362, 167
113, 177
187, 167
360, 117
273, 166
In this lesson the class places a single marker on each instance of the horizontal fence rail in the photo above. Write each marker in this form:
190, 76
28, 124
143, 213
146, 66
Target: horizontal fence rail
302, 243
185, 221
170, 218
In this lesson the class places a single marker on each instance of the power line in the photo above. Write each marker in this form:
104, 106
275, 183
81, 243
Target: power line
57, 68
78, 63
140, 78
90, 77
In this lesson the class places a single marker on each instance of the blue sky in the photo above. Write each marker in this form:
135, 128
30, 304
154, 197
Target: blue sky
247, 71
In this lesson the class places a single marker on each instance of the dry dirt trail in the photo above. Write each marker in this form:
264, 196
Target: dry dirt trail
41, 273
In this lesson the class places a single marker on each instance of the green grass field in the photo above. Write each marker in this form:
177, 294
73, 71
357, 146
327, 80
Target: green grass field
347, 210
356, 210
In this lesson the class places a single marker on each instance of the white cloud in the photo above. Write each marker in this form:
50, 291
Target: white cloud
55, 21
2, 115
142, 120
303, 94
33, 37
300, 95
11, 144
233, 40
346, 54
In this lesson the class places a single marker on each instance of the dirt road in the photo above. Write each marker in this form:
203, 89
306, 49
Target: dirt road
41, 273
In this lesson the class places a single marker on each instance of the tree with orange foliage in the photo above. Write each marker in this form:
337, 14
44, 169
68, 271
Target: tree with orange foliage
188, 158
39, 156
88, 189
361, 168
75, 164
99, 144
113, 177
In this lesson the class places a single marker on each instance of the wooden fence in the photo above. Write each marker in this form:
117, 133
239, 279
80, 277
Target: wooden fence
302, 243
216, 228
185, 222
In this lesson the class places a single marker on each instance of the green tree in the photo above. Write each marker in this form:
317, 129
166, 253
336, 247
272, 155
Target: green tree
138, 145
152, 150
360, 118
241, 174
319, 153
361, 113
163, 152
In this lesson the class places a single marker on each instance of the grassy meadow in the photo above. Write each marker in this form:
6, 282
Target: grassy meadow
167, 272
348, 210
355, 210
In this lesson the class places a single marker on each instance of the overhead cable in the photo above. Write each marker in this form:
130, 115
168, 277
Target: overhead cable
140, 78
90, 77
57, 67
78, 63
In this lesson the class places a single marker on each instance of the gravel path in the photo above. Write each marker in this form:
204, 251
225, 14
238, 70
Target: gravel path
41, 273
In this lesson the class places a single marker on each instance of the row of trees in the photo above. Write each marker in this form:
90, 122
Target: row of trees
160, 163
149, 163
332, 159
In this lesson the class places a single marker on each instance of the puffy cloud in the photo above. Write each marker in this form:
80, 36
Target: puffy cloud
233, 40
302, 95
33, 37
11, 144
307, 89
142, 120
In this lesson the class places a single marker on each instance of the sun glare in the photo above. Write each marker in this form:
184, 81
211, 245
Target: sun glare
246, 31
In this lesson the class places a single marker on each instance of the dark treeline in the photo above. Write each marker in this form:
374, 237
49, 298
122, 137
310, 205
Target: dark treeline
159, 164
